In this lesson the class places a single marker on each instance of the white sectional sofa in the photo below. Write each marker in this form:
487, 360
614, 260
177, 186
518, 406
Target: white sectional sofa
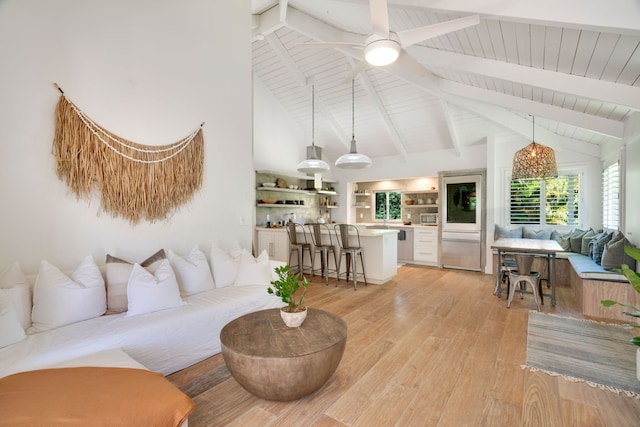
163, 341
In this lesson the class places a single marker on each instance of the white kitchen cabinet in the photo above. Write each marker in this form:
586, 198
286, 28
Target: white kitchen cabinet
425, 245
275, 242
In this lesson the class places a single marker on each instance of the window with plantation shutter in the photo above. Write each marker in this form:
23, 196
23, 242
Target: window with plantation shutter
611, 196
552, 201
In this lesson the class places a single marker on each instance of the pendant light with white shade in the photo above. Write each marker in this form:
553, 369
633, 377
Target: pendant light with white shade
313, 164
353, 159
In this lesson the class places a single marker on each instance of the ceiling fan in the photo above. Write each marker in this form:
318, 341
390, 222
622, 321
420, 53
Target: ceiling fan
384, 46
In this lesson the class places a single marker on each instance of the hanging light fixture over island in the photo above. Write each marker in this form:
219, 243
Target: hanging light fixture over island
534, 161
353, 159
313, 164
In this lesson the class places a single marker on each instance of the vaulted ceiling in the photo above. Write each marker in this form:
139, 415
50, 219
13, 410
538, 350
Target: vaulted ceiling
574, 65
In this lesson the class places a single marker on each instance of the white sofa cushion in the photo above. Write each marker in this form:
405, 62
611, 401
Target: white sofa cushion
148, 292
193, 272
253, 271
224, 264
118, 272
11, 331
18, 291
59, 300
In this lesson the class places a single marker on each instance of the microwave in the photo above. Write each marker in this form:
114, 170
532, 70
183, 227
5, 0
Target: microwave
428, 218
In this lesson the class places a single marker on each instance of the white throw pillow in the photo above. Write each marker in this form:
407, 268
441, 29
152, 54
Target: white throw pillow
148, 292
11, 331
59, 300
253, 271
118, 272
18, 292
224, 265
192, 272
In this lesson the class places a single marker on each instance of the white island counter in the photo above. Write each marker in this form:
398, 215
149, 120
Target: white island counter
380, 250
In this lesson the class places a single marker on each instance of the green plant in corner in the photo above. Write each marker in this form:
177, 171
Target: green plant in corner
634, 279
286, 286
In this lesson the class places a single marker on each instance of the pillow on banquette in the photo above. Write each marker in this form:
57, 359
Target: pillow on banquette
17, 290
563, 239
59, 300
118, 272
576, 240
193, 272
148, 292
597, 244
614, 256
10, 329
501, 232
586, 238
530, 233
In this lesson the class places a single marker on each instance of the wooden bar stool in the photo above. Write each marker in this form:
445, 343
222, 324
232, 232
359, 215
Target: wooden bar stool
318, 233
523, 275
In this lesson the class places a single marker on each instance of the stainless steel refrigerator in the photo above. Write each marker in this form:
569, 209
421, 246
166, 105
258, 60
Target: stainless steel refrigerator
462, 219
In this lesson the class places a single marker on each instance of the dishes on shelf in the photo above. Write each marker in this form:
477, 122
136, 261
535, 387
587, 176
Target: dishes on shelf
269, 201
269, 184
281, 183
409, 201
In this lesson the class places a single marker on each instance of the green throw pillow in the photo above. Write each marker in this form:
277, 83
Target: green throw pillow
614, 256
586, 238
576, 240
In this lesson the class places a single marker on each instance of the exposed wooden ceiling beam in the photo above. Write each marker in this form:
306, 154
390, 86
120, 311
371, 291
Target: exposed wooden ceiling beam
622, 16
450, 126
396, 138
301, 79
560, 82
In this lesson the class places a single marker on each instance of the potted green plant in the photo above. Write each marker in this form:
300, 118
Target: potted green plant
634, 279
285, 287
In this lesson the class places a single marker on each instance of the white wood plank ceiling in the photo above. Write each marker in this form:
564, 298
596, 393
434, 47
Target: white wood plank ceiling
573, 64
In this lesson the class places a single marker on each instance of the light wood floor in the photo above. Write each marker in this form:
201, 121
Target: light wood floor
431, 348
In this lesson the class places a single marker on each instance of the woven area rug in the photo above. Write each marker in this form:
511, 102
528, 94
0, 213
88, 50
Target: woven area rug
585, 351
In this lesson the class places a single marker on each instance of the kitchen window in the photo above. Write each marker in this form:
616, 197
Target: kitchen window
388, 205
551, 201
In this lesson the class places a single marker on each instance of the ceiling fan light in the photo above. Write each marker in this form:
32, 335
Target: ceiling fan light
381, 52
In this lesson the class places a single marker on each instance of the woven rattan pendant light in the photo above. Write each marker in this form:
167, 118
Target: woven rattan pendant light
534, 161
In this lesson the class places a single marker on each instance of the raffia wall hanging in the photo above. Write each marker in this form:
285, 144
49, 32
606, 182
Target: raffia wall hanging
136, 182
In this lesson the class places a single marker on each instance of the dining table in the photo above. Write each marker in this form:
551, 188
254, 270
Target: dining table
533, 247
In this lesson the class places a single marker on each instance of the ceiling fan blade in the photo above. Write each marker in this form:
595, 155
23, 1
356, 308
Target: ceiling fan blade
355, 71
379, 17
406, 62
417, 35
329, 45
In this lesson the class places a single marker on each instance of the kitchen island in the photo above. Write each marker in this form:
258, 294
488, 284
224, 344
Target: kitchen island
380, 250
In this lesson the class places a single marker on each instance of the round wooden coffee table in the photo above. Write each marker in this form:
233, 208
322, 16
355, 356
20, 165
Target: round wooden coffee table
276, 362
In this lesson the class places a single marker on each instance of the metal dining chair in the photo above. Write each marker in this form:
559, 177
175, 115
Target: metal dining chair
350, 251
318, 233
523, 275
298, 245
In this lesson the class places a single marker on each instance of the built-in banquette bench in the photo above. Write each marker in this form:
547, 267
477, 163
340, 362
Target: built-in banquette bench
581, 268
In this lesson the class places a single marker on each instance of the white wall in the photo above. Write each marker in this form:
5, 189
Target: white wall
279, 142
632, 193
148, 71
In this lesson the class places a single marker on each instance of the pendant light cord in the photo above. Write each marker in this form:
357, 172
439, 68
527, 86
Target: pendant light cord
353, 109
313, 116
534, 129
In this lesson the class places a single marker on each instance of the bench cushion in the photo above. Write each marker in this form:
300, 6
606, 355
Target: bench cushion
586, 268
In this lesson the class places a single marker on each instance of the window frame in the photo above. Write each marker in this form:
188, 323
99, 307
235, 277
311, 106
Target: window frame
561, 172
375, 206
608, 194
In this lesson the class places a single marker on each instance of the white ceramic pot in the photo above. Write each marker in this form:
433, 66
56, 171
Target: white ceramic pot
295, 319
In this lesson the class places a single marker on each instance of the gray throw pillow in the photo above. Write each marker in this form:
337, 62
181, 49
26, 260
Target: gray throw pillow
613, 256
596, 246
563, 239
530, 233
501, 232
576, 240
586, 238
